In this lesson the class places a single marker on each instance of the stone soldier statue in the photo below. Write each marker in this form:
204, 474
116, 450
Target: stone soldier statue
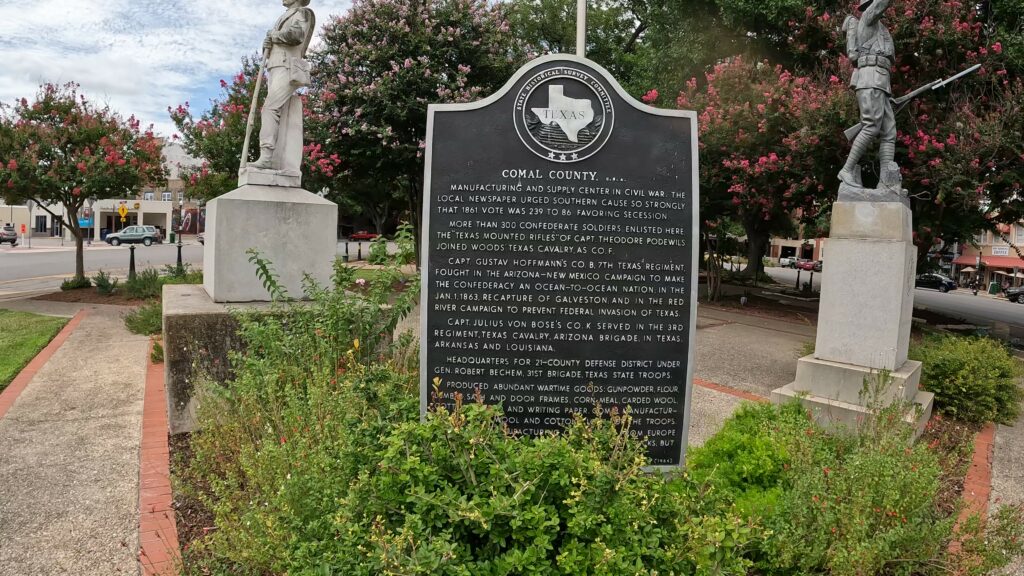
870, 47
284, 52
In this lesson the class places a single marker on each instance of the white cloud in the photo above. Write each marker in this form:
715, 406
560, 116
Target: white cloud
140, 56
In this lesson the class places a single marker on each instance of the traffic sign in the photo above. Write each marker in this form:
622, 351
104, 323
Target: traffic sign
22, 228
123, 211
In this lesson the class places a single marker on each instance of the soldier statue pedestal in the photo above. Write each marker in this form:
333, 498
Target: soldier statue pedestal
294, 230
864, 316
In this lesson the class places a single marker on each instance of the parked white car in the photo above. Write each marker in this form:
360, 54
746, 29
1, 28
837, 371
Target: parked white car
787, 262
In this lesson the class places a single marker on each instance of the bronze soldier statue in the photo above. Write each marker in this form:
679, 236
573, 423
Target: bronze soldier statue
870, 47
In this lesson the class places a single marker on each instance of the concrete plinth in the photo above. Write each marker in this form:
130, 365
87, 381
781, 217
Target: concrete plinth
864, 317
198, 336
294, 230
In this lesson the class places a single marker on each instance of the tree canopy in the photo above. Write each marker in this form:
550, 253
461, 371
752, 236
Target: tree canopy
63, 149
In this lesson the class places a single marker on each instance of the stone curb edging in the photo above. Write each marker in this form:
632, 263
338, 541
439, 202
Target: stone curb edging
20, 382
158, 532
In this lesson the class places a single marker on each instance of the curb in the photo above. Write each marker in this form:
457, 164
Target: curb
20, 382
730, 391
977, 482
158, 531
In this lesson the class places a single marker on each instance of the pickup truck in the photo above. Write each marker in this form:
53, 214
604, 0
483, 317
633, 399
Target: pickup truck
787, 262
8, 234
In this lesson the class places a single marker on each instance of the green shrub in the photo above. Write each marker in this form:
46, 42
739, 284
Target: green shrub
156, 355
146, 319
843, 504
146, 284
184, 275
405, 240
314, 460
974, 379
378, 251
104, 283
75, 283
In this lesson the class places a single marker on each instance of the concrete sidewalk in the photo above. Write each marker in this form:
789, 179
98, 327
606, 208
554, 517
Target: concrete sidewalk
69, 454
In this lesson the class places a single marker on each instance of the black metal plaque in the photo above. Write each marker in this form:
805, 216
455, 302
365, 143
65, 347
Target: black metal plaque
559, 267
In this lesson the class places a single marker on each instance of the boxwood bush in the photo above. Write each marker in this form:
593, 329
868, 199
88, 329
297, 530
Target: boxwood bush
974, 379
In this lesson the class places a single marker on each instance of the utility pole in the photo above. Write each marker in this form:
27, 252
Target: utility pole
581, 28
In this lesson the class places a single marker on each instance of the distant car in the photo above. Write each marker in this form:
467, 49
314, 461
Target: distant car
787, 262
817, 266
935, 281
201, 239
808, 265
8, 234
1014, 294
145, 235
363, 235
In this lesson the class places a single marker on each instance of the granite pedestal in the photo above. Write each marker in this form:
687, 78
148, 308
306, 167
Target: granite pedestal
294, 230
864, 316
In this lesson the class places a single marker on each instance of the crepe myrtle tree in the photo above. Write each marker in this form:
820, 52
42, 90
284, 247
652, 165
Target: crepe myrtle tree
62, 149
958, 147
378, 68
762, 159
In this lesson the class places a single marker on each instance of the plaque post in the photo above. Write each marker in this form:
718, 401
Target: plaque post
581, 28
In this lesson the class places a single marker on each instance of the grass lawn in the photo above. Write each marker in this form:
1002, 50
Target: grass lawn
22, 336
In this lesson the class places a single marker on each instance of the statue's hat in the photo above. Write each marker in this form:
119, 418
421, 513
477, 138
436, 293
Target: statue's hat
864, 5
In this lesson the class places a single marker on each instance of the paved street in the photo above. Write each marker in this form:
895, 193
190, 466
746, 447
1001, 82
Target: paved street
1003, 317
26, 271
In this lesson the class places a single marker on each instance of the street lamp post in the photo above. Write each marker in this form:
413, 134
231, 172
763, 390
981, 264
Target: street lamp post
28, 229
181, 220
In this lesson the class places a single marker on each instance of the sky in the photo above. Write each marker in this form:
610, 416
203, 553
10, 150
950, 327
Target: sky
138, 56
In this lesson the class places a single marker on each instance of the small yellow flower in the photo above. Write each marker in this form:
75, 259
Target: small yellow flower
355, 343
437, 380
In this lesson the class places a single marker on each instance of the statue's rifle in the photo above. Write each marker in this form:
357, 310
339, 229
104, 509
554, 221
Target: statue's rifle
900, 103
252, 110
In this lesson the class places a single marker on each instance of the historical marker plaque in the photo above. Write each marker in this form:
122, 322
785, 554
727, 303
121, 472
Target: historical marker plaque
560, 254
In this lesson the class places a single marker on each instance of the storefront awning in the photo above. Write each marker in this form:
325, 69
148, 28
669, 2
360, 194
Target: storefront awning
990, 261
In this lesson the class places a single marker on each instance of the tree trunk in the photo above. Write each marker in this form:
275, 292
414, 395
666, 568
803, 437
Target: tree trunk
415, 198
757, 243
76, 231
379, 215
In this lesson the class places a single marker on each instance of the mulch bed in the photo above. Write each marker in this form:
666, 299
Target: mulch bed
90, 296
193, 519
953, 442
766, 308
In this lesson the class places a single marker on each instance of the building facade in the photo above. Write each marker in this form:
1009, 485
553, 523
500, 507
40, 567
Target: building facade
992, 258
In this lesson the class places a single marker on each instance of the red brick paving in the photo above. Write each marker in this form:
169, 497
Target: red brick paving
158, 533
14, 389
726, 390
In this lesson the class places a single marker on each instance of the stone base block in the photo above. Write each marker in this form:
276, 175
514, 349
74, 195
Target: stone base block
294, 230
866, 302
198, 335
836, 413
833, 392
850, 383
